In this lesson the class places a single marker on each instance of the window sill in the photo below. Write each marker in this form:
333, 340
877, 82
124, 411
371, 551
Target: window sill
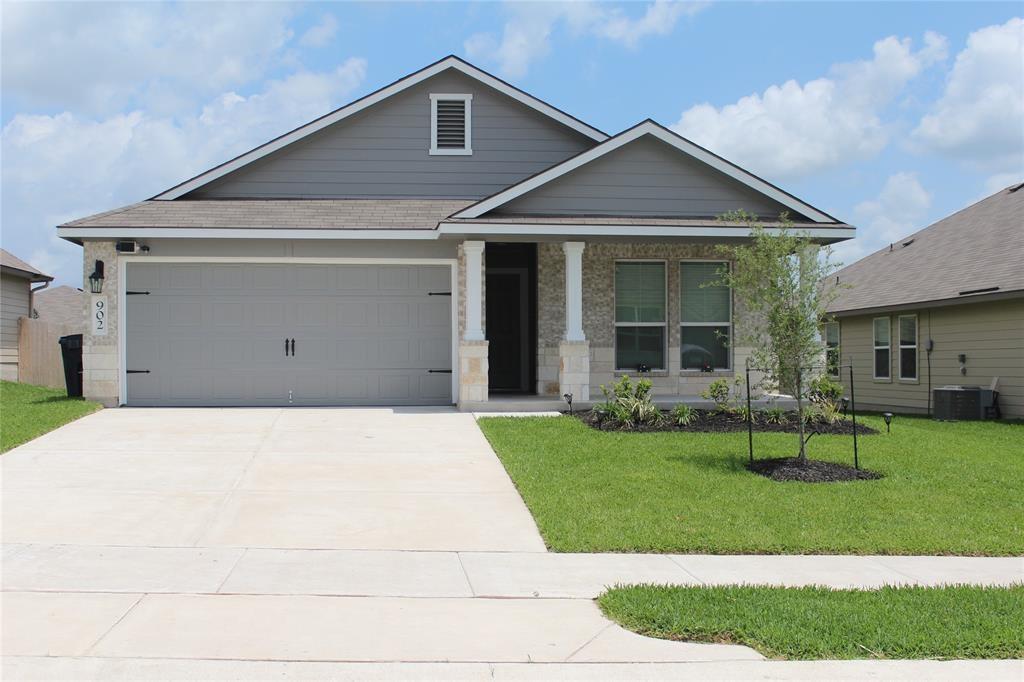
912, 382
638, 375
451, 152
701, 373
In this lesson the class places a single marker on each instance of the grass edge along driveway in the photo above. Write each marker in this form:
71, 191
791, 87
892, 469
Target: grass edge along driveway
948, 488
27, 412
948, 622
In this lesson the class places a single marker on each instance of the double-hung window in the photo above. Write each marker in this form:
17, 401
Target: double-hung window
832, 348
705, 316
908, 347
882, 336
640, 315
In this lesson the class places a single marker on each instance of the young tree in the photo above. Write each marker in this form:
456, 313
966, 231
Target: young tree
777, 279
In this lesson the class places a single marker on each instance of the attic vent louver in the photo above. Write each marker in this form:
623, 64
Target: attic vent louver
450, 124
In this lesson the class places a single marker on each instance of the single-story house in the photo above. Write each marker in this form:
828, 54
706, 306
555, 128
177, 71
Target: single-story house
943, 306
447, 239
63, 306
16, 302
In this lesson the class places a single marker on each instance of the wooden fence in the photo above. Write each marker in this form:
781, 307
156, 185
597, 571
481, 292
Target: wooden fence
39, 358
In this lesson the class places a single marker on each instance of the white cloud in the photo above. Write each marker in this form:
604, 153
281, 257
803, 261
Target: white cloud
526, 35
900, 209
659, 19
980, 116
98, 58
793, 130
321, 34
65, 166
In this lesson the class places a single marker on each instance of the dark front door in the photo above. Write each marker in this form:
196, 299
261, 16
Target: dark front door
508, 329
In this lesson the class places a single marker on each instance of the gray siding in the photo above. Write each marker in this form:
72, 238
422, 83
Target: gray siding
14, 295
382, 152
644, 178
990, 334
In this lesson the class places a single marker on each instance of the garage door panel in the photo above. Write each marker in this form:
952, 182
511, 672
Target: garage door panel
183, 277
224, 277
264, 277
364, 334
268, 314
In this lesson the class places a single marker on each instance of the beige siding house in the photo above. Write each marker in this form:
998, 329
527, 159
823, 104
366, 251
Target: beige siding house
16, 280
944, 306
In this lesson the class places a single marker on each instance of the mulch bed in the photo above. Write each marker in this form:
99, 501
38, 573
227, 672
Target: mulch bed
811, 471
716, 421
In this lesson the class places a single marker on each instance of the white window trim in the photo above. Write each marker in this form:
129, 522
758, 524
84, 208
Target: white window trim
839, 346
728, 265
468, 149
617, 324
876, 347
899, 342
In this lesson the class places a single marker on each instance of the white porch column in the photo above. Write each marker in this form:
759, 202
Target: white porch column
574, 291
474, 290
574, 350
473, 346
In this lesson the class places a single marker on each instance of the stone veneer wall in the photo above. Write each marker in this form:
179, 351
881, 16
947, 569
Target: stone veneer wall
100, 356
598, 315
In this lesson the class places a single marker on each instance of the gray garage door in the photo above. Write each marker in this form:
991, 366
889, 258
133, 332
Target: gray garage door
215, 334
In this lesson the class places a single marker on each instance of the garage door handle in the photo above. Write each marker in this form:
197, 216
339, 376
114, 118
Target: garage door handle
293, 348
439, 293
439, 371
286, 347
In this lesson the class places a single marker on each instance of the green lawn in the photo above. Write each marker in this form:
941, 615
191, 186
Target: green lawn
817, 622
949, 488
27, 412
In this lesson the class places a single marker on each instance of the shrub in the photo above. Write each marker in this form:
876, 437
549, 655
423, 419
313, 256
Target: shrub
683, 414
628, 405
825, 391
718, 392
775, 415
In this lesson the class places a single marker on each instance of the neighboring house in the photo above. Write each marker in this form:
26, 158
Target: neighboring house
63, 306
446, 239
16, 298
909, 312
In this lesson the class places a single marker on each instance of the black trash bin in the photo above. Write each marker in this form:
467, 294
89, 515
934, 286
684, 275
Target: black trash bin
71, 350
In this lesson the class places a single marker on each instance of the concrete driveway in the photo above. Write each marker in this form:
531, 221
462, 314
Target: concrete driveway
270, 478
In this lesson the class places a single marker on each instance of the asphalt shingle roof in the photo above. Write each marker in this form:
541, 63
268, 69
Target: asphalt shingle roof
979, 247
352, 214
9, 260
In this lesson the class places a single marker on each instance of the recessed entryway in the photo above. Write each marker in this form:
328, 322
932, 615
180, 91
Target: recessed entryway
511, 320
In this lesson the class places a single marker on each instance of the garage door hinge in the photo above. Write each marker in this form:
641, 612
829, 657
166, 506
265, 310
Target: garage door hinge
136, 371
136, 293
439, 371
439, 293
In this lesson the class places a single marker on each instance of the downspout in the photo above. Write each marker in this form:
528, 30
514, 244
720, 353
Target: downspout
928, 354
31, 298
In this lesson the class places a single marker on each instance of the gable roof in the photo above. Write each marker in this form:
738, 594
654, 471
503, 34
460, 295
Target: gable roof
642, 129
15, 266
975, 251
449, 62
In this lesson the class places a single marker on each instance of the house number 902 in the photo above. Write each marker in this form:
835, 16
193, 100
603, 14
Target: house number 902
99, 315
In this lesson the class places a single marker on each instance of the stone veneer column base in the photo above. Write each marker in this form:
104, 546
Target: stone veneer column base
574, 369
473, 371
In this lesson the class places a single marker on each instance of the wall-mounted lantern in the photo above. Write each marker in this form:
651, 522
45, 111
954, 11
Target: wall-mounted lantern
96, 278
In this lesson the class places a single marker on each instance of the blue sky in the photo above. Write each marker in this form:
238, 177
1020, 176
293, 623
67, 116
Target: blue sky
886, 115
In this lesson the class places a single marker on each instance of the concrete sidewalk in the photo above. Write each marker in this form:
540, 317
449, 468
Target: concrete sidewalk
130, 670
422, 574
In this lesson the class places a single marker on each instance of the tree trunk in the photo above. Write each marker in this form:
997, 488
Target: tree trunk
800, 415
